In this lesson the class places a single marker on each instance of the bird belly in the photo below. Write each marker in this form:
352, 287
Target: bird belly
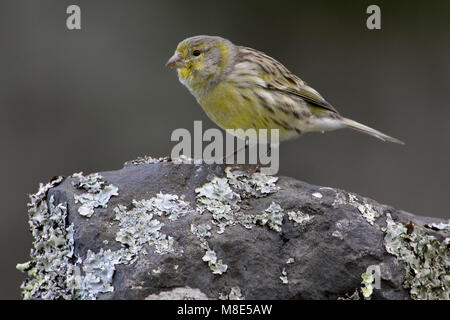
232, 108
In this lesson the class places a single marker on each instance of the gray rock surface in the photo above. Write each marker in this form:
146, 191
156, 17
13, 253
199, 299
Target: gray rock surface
162, 229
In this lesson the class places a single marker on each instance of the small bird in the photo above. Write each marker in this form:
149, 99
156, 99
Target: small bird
239, 87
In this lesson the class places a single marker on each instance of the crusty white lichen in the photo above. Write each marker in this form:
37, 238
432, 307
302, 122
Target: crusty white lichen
441, 226
251, 184
353, 296
216, 265
98, 271
299, 218
317, 195
149, 160
50, 270
139, 227
146, 160
97, 193
222, 196
272, 216
283, 277
220, 200
235, 294
363, 205
54, 272
426, 259
342, 226
202, 232
367, 288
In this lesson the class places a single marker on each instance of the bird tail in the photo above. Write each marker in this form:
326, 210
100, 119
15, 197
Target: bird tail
365, 129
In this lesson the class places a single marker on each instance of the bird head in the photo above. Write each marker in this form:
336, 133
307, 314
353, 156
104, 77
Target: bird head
202, 61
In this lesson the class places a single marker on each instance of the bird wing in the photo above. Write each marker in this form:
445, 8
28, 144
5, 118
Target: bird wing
277, 77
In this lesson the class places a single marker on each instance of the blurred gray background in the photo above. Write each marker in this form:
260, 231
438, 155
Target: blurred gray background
89, 100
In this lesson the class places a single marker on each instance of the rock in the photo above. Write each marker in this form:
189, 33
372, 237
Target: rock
163, 229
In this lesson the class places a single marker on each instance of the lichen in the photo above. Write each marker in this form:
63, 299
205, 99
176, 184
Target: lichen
202, 232
50, 271
367, 288
441, 226
139, 227
146, 160
99, 270
338, 234
283, 276
317, 195
220, 200
97, 193
342, 227
299, 217
272, 216
216, 265
363, 205
235, 294
426, 260
251, 185
150, 160
353, 296
222, 196
290, 261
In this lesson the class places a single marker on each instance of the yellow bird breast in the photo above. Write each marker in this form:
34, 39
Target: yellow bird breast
237, 108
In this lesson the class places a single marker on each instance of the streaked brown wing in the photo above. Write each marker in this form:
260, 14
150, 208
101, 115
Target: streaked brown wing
306, 93
278, 78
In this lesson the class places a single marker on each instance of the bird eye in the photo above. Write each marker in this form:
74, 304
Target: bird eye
196, 53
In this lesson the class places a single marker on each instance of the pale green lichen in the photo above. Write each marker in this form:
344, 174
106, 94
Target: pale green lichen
147, 160
202, 232
353, 296
220, 200
338, 234
150, 160
222, 196
367, 288
290, 261
50, 271
216, 265
283, 277
156, 271
54, 272
342, 226
441, 226
317, 195
139, 227
299, 217
98, 271
252, 185
426, 259
235, 294
272, 216
97, 193
363, 205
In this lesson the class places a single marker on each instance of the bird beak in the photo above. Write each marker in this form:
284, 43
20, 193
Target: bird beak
176, 61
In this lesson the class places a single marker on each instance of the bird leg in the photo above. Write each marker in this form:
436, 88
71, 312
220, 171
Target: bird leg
249, 168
